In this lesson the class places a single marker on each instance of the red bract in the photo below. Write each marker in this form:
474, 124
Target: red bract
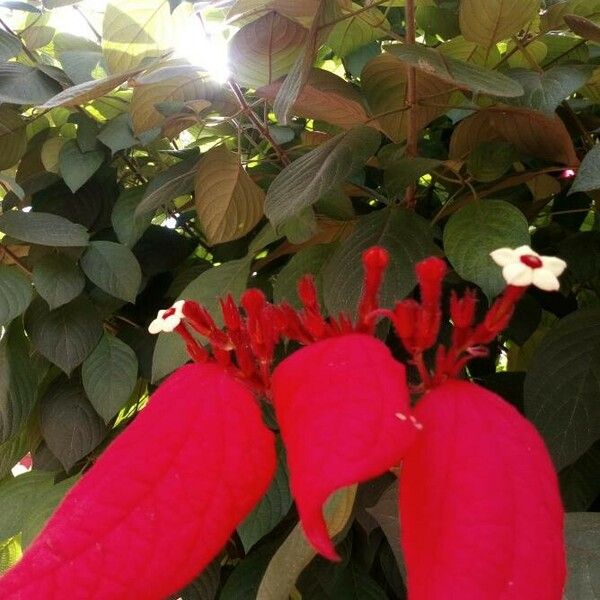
343, 408
160, 502
479, 503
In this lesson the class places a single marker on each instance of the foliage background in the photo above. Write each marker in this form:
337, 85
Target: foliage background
133, 173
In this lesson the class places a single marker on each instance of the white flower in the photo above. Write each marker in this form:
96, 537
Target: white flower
167, 320
522, 267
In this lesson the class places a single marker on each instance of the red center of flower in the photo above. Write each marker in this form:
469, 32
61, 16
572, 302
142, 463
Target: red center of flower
533, 262
168, 313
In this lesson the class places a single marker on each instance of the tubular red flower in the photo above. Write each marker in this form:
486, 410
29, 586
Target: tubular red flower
181, 477
343, 408
479, 502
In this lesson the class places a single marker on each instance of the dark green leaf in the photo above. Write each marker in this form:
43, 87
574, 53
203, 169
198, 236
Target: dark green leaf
319, 172
10, 46
42, 228
310, 261
580, 482
15, 293
271, 509
57, 279
128, 225
117, 134
546, 90
19, 375
563, 386
20, 84
176, 181
113, 268
205, 586
476, 230
404, 234
401, 173
588, 174
245, 580
582, 539
42, 507
65, 336
16, 496
109, 375
12, 451
68, 422
457, 72
490, 160
76, 167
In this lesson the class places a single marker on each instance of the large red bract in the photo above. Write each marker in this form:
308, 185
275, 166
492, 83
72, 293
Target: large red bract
479, 503
160, 502
343, 408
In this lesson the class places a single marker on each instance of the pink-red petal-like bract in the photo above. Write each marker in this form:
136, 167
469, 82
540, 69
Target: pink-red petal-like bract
160, 502
481, 516
343, 408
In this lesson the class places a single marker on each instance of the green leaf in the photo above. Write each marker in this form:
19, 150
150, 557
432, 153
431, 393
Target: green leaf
65, 336
582, 540
16, 496
405, 235
546, 90
19, 376
68, 422
401, 173
117, 134
488, 21
245, 580
563, 385
205, 586
176, 181
10, 46
43, 228
309, 261
490, 160
580, 482
357, 31
13, 137
12, 451
438, 20
10, 553
20, 84
76, 167
269, 512
464, 75
476, 230
42, 507
57, 279
134, 30
206, 289
128, 225
295, 553
588, 174
319, 172
15, 293
109, 375
113, 268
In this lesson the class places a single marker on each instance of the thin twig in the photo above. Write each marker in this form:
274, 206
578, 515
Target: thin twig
412, 133
263, 129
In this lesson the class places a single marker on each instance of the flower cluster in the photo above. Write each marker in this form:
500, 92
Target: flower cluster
477, 487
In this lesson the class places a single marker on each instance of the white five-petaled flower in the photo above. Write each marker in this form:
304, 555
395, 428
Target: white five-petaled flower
167, 320
522, 267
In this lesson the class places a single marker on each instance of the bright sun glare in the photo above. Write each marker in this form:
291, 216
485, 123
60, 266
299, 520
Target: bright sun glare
202, 42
